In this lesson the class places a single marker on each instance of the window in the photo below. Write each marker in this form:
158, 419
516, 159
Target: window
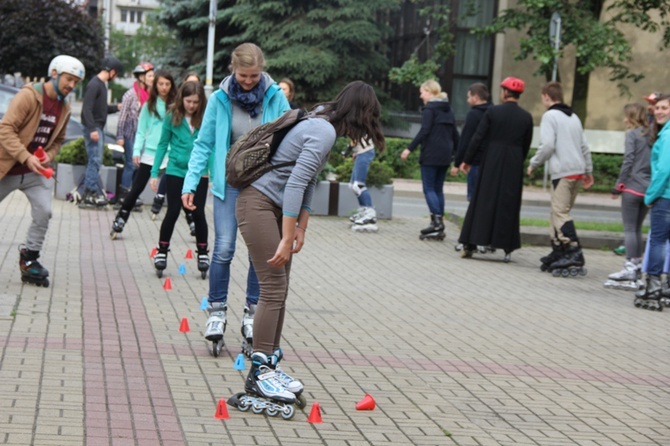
131, 16
124, 15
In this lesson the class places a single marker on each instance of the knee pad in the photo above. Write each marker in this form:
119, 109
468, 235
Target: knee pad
568, 230
357, 188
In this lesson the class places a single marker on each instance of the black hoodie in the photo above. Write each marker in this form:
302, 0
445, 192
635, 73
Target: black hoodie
438, 135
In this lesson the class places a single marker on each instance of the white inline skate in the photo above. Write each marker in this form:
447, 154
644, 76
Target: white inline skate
627, 279
247, 330
216, 326
293, 385
366, 221
651, 297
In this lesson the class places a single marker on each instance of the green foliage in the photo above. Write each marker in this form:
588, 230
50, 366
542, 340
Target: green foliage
606, 168
414, 72
35, 31
379, 174
74, 153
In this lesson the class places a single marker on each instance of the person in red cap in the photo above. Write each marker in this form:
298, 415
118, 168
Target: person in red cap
503, 136
651, 102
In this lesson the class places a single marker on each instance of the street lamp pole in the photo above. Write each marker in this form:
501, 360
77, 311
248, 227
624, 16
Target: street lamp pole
210, 48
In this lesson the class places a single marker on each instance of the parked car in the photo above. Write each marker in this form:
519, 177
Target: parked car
74, 130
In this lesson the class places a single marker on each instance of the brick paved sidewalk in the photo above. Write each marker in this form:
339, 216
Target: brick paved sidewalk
455, 352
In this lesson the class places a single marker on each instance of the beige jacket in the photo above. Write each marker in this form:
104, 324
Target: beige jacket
18, 127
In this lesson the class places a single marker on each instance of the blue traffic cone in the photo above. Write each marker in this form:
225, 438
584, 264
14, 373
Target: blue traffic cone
204, 303
182, 269
239, 362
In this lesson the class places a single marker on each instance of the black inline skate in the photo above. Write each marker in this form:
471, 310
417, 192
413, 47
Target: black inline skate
436, 229
123, 193
157, 205
571, 264
203, 262
264, 391
119, 223
555, 254
31, 270
160, 260
651, 296
93, 200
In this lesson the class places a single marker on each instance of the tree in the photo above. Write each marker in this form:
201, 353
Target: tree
35, 31
592, 28
151, 43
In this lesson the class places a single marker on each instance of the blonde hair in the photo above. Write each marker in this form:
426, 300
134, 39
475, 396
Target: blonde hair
434, 88
247, 55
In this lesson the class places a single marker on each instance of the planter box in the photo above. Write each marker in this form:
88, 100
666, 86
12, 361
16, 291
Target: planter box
321, 198
69, 176
382, 201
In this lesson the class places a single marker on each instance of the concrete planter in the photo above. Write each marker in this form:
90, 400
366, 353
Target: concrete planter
321, 199
382, 200
69, 176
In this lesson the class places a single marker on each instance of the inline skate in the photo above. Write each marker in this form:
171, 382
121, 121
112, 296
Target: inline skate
436, 229
292, 385
122, 197
627, 279
264, 391
93, 200
651, 296
357, 214
366, 221
203, 262
157, 205
216, 326
32, 270
247, 329
160, 259
119, 223
571, 264
555, 254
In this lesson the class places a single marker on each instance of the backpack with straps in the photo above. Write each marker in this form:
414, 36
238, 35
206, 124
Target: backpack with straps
250, 156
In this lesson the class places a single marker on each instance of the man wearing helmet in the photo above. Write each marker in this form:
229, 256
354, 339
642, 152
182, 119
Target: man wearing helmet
94, 113
31, 133
563, 145
503, 137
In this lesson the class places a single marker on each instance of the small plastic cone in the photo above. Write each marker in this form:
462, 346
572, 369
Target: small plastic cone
189, 254
367, 403
40, 154
204, 303
239, 362
221, 410
182, 269
184, 328
315, 414
153, 253
167, 286
48, 173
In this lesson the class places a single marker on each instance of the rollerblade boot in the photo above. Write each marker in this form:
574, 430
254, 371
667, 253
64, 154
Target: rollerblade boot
160, 260
366, 221
93, 200
191, 223
216, 326
627, 278
356, 215
119, 223
650, 297
555, 254
32, 271
157, 205
247, 329
292, 384
435, 231
123, 192
570, 264
203, 261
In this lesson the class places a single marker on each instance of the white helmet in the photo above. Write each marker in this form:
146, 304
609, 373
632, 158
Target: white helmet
67, 64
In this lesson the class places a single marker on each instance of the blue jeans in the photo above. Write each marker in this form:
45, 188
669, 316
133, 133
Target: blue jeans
128, 166
94, 153
659, 235
432, 178
359, 175
225, 235
472, 180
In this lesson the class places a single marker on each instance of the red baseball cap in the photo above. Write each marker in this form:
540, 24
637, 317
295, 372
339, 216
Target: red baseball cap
652, 98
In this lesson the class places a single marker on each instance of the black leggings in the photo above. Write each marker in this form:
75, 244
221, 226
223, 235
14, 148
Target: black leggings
143, 173
174, 206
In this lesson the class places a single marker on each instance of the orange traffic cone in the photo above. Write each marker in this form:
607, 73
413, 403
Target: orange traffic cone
189, 254
221, 410
153, 252
48, 173
167, 286
367, 403
315, 414
184, 328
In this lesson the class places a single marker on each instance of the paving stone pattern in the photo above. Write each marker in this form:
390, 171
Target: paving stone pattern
456, 352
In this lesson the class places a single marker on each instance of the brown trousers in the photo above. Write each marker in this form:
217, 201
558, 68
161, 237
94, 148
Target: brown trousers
563, 197
260, 223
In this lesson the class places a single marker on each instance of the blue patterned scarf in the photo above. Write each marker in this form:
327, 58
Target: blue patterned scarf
250, 100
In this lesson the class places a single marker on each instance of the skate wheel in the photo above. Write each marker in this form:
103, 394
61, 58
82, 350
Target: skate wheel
113, 235
288, 412
272, 411
300, 401
203, 274
583, 271
45, 283
153, 216
556, 273
216, 348
565, 273
574, 272
159, 273
544, 267
257, 408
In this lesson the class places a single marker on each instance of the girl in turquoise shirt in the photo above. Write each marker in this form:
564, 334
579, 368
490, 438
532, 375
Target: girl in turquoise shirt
148, 134
180, 130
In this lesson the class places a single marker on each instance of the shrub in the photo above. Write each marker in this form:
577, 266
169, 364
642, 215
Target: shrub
74, 152
379, 174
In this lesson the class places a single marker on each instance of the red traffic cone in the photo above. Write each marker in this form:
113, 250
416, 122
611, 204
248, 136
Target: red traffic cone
40, 154
153, 252
184, 328
221, 410
367, 403
167, 286
189, 254
48, 173
315, 414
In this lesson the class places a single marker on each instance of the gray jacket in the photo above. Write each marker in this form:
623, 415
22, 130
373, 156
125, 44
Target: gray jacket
563, 144
636, 168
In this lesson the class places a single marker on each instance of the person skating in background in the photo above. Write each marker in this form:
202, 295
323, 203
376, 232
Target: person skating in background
94, 113
148, 135
131, 104
365, 217
31, 133
657, 197
631, 186
273, 215
180, 130
503, 136
563, 145
438, 138
246, 99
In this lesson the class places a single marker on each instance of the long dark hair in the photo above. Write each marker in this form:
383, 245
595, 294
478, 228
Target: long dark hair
178, 111
355, 113
153, 93
655, 128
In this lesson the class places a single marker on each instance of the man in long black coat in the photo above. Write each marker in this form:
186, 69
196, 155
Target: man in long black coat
492, 218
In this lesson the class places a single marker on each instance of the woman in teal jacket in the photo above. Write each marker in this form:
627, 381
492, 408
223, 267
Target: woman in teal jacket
180, 130
245, 100
148, 134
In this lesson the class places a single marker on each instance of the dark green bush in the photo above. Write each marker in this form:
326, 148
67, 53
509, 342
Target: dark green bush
74, 152
379, 174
